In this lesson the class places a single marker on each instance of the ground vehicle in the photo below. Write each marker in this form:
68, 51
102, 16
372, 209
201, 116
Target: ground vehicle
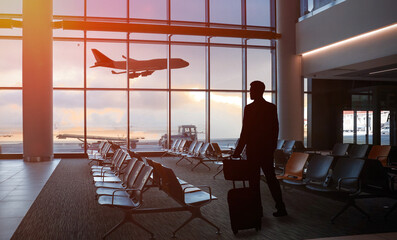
188, 132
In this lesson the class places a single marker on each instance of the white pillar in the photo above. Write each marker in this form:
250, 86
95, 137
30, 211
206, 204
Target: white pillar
37, 80
289, 83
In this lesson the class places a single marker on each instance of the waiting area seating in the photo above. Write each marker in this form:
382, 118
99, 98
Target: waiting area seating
122, 186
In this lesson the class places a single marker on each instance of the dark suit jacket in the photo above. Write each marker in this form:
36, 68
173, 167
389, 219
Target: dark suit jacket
259, 131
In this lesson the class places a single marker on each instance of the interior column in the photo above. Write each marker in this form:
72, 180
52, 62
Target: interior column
289, 82
37, 80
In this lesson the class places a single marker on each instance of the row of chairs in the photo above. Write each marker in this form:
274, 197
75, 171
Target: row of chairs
352, 177
198, 151
122, 181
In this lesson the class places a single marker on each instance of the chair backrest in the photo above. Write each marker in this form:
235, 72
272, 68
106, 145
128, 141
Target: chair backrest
295, 165
380, 153
173, 144
116, 158
181, 145
340, 149
143, 177
280, 143
299, 146
318, 167
105, 150
217, 149
134, 173
177, 142
203, 149
122, 157
197, 148
128, 169
191, 147
156, 171
375, 177
347, 168
172, 186
357, 151
288, 145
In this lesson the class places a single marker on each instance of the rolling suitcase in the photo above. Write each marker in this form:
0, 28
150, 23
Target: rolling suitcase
245, 207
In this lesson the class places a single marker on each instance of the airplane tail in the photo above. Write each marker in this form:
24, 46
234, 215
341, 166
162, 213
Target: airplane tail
101, 59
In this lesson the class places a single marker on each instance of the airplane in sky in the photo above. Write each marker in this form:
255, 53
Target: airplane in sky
137, 68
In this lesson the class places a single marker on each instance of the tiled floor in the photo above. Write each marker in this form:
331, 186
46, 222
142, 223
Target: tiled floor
20, 184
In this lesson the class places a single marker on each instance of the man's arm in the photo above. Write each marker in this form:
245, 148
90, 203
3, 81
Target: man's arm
243, 136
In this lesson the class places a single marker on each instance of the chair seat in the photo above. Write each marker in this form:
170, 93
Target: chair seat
197, 198
320, 188
109, 185
96, 168
107, 179
294, 182
110, 191
121, 202
190, 188
106, 174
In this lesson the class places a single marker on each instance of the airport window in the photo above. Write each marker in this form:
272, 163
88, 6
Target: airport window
11, 121
226, 68
207, 94
150, 79
225, 11
226, 116
68, 57
68, 121
148, 9
11, 63
192, 77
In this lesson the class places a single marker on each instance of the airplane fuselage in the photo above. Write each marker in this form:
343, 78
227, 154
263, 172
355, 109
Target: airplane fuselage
148, 65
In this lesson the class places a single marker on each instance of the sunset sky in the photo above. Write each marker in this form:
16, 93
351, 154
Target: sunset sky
107, 110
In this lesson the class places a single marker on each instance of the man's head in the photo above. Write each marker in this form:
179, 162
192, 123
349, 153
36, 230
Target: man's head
257, 89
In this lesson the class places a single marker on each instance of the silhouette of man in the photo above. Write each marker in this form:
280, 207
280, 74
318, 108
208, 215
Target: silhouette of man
259, 134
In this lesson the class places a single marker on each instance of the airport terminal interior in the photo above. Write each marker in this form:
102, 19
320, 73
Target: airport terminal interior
150, 95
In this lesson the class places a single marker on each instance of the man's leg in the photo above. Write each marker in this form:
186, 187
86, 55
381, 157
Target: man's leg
275, 189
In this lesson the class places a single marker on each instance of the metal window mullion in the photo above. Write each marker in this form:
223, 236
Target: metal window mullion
127, 67
85, 79
169, 78
208, 90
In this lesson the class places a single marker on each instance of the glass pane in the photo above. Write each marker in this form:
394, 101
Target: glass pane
385, 127
305, 119
361, 127
70, 7
106, 8
225, 11
148, 9
259, 67
110, 35
188, 10
370, 127
11, 63
348, 127
226, 118
226, 40
258, 12
149, 65
68, 121
148, 36
67, 33
267, 96
192, 76
259, 42
10, 31
148, 119
68, 64
188, 108
103, 77
11, 7
107, 116
11, 126
226, 68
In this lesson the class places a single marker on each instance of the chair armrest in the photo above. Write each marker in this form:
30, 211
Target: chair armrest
340, 182
125, 190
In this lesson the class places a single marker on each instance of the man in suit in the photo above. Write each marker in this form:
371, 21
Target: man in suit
259, 134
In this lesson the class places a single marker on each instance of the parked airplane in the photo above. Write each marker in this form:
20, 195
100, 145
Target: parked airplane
117, 140
137, 68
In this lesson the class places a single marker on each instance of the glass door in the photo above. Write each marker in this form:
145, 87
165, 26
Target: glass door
358, 127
